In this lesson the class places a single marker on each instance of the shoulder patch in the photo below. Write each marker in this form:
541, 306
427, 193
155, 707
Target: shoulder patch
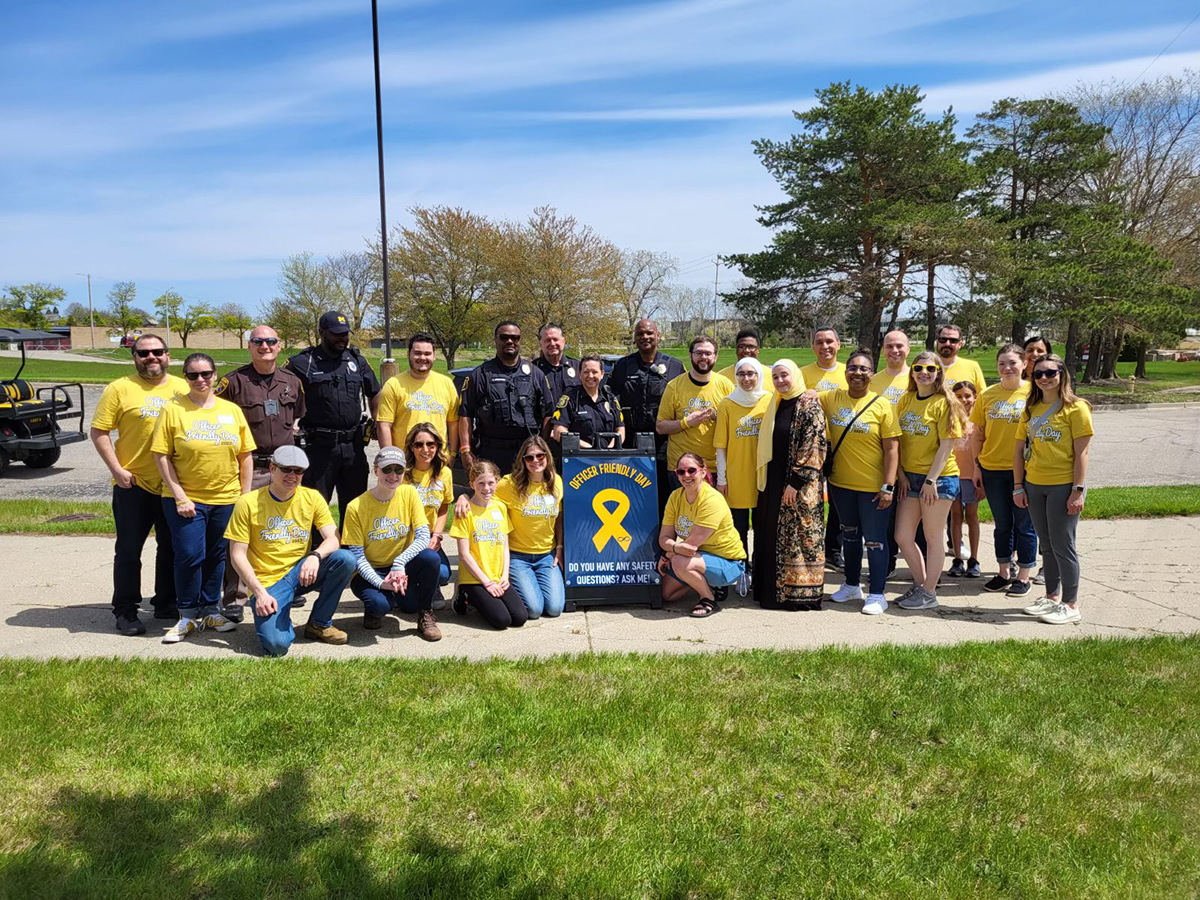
223, 386
562, 402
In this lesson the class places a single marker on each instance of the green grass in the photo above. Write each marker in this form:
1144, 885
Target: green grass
1065, 769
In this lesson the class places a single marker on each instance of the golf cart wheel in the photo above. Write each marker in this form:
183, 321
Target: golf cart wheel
43, 459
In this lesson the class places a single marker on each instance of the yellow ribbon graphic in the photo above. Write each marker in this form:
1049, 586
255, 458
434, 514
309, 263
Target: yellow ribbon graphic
611, 519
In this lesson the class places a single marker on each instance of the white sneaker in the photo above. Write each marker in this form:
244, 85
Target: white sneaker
218, 622
182, 629
1061, 615
743, 584
876, 605
919, 599
846, 593
1040, 608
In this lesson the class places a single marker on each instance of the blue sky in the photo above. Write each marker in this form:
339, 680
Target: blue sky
196, 146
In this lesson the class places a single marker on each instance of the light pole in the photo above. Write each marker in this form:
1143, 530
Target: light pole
91, 312
388, 367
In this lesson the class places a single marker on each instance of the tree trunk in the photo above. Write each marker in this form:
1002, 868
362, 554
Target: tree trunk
1095, 350
870, 317
1113, 351
1142, 348
1020, 314
449, 351
895, 315
930, 310
1071, 351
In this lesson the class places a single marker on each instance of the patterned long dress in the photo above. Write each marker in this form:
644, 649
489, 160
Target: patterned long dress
793, 576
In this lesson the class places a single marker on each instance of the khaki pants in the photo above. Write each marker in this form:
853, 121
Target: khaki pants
234, 592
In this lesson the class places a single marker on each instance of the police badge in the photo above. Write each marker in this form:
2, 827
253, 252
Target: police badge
661, 369
525, 370
352, 365
570, 371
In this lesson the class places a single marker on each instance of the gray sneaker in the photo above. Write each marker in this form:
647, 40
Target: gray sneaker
920, 599
1040, 577
907, 594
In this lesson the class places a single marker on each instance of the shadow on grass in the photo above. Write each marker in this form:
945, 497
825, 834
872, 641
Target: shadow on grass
215, 843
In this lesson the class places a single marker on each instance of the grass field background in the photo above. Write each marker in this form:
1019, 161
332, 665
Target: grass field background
1063, 770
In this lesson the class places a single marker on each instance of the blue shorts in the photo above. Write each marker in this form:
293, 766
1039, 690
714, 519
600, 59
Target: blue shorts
966, 492
718, 571
947, 485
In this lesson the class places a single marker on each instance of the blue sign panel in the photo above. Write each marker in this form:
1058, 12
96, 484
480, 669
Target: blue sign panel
610, 520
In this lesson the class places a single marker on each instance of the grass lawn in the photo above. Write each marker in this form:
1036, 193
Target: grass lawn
1065, 769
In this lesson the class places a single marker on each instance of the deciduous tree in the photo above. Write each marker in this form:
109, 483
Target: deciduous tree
28, 305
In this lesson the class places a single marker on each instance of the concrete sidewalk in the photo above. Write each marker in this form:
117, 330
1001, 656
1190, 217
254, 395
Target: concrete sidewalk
1140, 577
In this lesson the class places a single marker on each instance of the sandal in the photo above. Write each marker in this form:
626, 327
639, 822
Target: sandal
704, 609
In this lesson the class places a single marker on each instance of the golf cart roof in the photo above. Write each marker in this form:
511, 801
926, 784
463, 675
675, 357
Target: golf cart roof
20, 335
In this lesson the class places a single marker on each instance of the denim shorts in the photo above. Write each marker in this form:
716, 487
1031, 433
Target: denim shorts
966, 492
947, 485
718, 571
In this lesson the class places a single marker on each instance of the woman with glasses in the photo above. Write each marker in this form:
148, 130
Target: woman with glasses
789, 562
931, 421
739, 419
387, 532
997, 416
428, 471
701, 547
1050, 478
862, 426
202, 448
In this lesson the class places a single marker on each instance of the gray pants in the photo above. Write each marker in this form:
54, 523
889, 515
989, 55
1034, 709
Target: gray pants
1056, 536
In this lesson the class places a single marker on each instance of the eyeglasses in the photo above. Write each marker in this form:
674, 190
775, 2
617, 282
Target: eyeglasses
946, 340
207, 374
690, 470
933, 368
142, 354
392, 470
1046, 374
534, 457
289, 470
270, 342
421, 445
866, 370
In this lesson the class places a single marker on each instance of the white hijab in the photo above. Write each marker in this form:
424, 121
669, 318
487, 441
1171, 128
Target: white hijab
742, 397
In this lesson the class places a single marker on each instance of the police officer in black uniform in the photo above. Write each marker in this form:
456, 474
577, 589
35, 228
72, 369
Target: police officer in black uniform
638, 381
560, 370
589, 409
505, 400
336, 378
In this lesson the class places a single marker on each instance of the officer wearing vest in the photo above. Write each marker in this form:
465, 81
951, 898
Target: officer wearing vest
505, 400
589, 409
336, 378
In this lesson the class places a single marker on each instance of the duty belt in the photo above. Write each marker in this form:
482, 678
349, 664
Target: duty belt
335, 435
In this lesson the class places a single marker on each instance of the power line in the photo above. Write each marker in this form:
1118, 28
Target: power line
1166, 48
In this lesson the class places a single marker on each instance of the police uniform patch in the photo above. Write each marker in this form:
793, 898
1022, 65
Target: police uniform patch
570, 371
525, 370
223, 386
562, 402
352, 365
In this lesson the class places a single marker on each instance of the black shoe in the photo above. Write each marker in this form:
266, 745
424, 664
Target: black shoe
129, 624
299, 601
460, 605
957, 569
372, 622
835, 560
720, 594
997, 583
166, 613
234, 612
1018, 589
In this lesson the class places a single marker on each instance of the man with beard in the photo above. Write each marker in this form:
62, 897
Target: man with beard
949, 342
688, 411
131, 405
418, 395
638, 381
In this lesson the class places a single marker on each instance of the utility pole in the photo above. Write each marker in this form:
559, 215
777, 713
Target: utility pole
91, 312
716, 275
388, 367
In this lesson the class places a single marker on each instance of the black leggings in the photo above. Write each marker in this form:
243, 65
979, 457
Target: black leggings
501, 612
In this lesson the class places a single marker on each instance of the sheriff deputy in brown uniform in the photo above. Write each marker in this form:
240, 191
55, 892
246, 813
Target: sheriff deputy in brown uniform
273, 401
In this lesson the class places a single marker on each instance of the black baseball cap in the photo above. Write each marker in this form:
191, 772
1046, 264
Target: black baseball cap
335, 323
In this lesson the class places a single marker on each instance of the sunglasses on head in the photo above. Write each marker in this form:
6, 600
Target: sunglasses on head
290, 470
932, 368
270, 342
392, 470
534, 457
157, 351
206, 374
690, 470
1046, 374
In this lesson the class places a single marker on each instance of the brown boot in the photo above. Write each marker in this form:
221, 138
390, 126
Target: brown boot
427, 627
326, 635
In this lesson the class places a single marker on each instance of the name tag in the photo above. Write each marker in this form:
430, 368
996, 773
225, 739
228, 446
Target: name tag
224, 420
271, 407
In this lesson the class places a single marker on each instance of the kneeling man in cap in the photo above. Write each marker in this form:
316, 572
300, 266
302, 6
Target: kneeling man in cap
269, 535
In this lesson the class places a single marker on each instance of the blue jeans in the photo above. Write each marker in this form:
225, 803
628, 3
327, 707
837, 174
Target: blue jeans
539, 582
199, 544
1013, 524
947, 485
275, 631
443, 568
422, 571
862, 520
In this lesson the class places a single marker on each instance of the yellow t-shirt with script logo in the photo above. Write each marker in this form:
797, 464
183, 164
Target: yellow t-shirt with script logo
204, 445
890, 387
821, 380
1053, 447
131, 406
531, 518
683, 397
998, 413
924, 424
858, 465
383, 530
965, 370
277, 533
709, 511
737, 432
434, 492
405, 402
485, 531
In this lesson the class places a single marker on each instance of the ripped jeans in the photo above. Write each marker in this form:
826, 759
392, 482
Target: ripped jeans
860, 520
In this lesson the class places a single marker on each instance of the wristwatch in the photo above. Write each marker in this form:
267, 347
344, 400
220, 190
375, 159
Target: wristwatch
887, 489
931, 482
1079, 487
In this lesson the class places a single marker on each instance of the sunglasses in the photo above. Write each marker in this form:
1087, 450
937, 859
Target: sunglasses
944, 340
142, 354
534, 457
509, 338
933, 368
421, 445
1046, 374
690, 470
290, 470
207, 374
392, 470
270, 342
866, 370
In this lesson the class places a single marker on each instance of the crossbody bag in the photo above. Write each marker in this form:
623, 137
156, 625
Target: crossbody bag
827, 466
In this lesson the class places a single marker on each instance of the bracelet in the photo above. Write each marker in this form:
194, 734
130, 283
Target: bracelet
683, 425
319, 557
464, 449
1018, 491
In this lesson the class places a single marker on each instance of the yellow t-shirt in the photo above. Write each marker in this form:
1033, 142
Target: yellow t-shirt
737, 431
965, 370
383, 530
821, 380
277, 533
923, 425
204, 445
434, 492
531, 518
131, 406
682, 397
890, 387
1053, 447
998, 412
405, 402
858, 465
485, 530
764, 377
709, 511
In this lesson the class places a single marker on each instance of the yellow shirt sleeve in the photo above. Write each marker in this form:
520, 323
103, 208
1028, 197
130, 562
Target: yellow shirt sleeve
667, 404
321, 514
108, 408
721, 434
238, 528
164, 431
389, 401
353, 534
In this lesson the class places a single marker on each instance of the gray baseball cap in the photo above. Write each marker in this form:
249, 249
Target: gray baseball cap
290, 456
389, 456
